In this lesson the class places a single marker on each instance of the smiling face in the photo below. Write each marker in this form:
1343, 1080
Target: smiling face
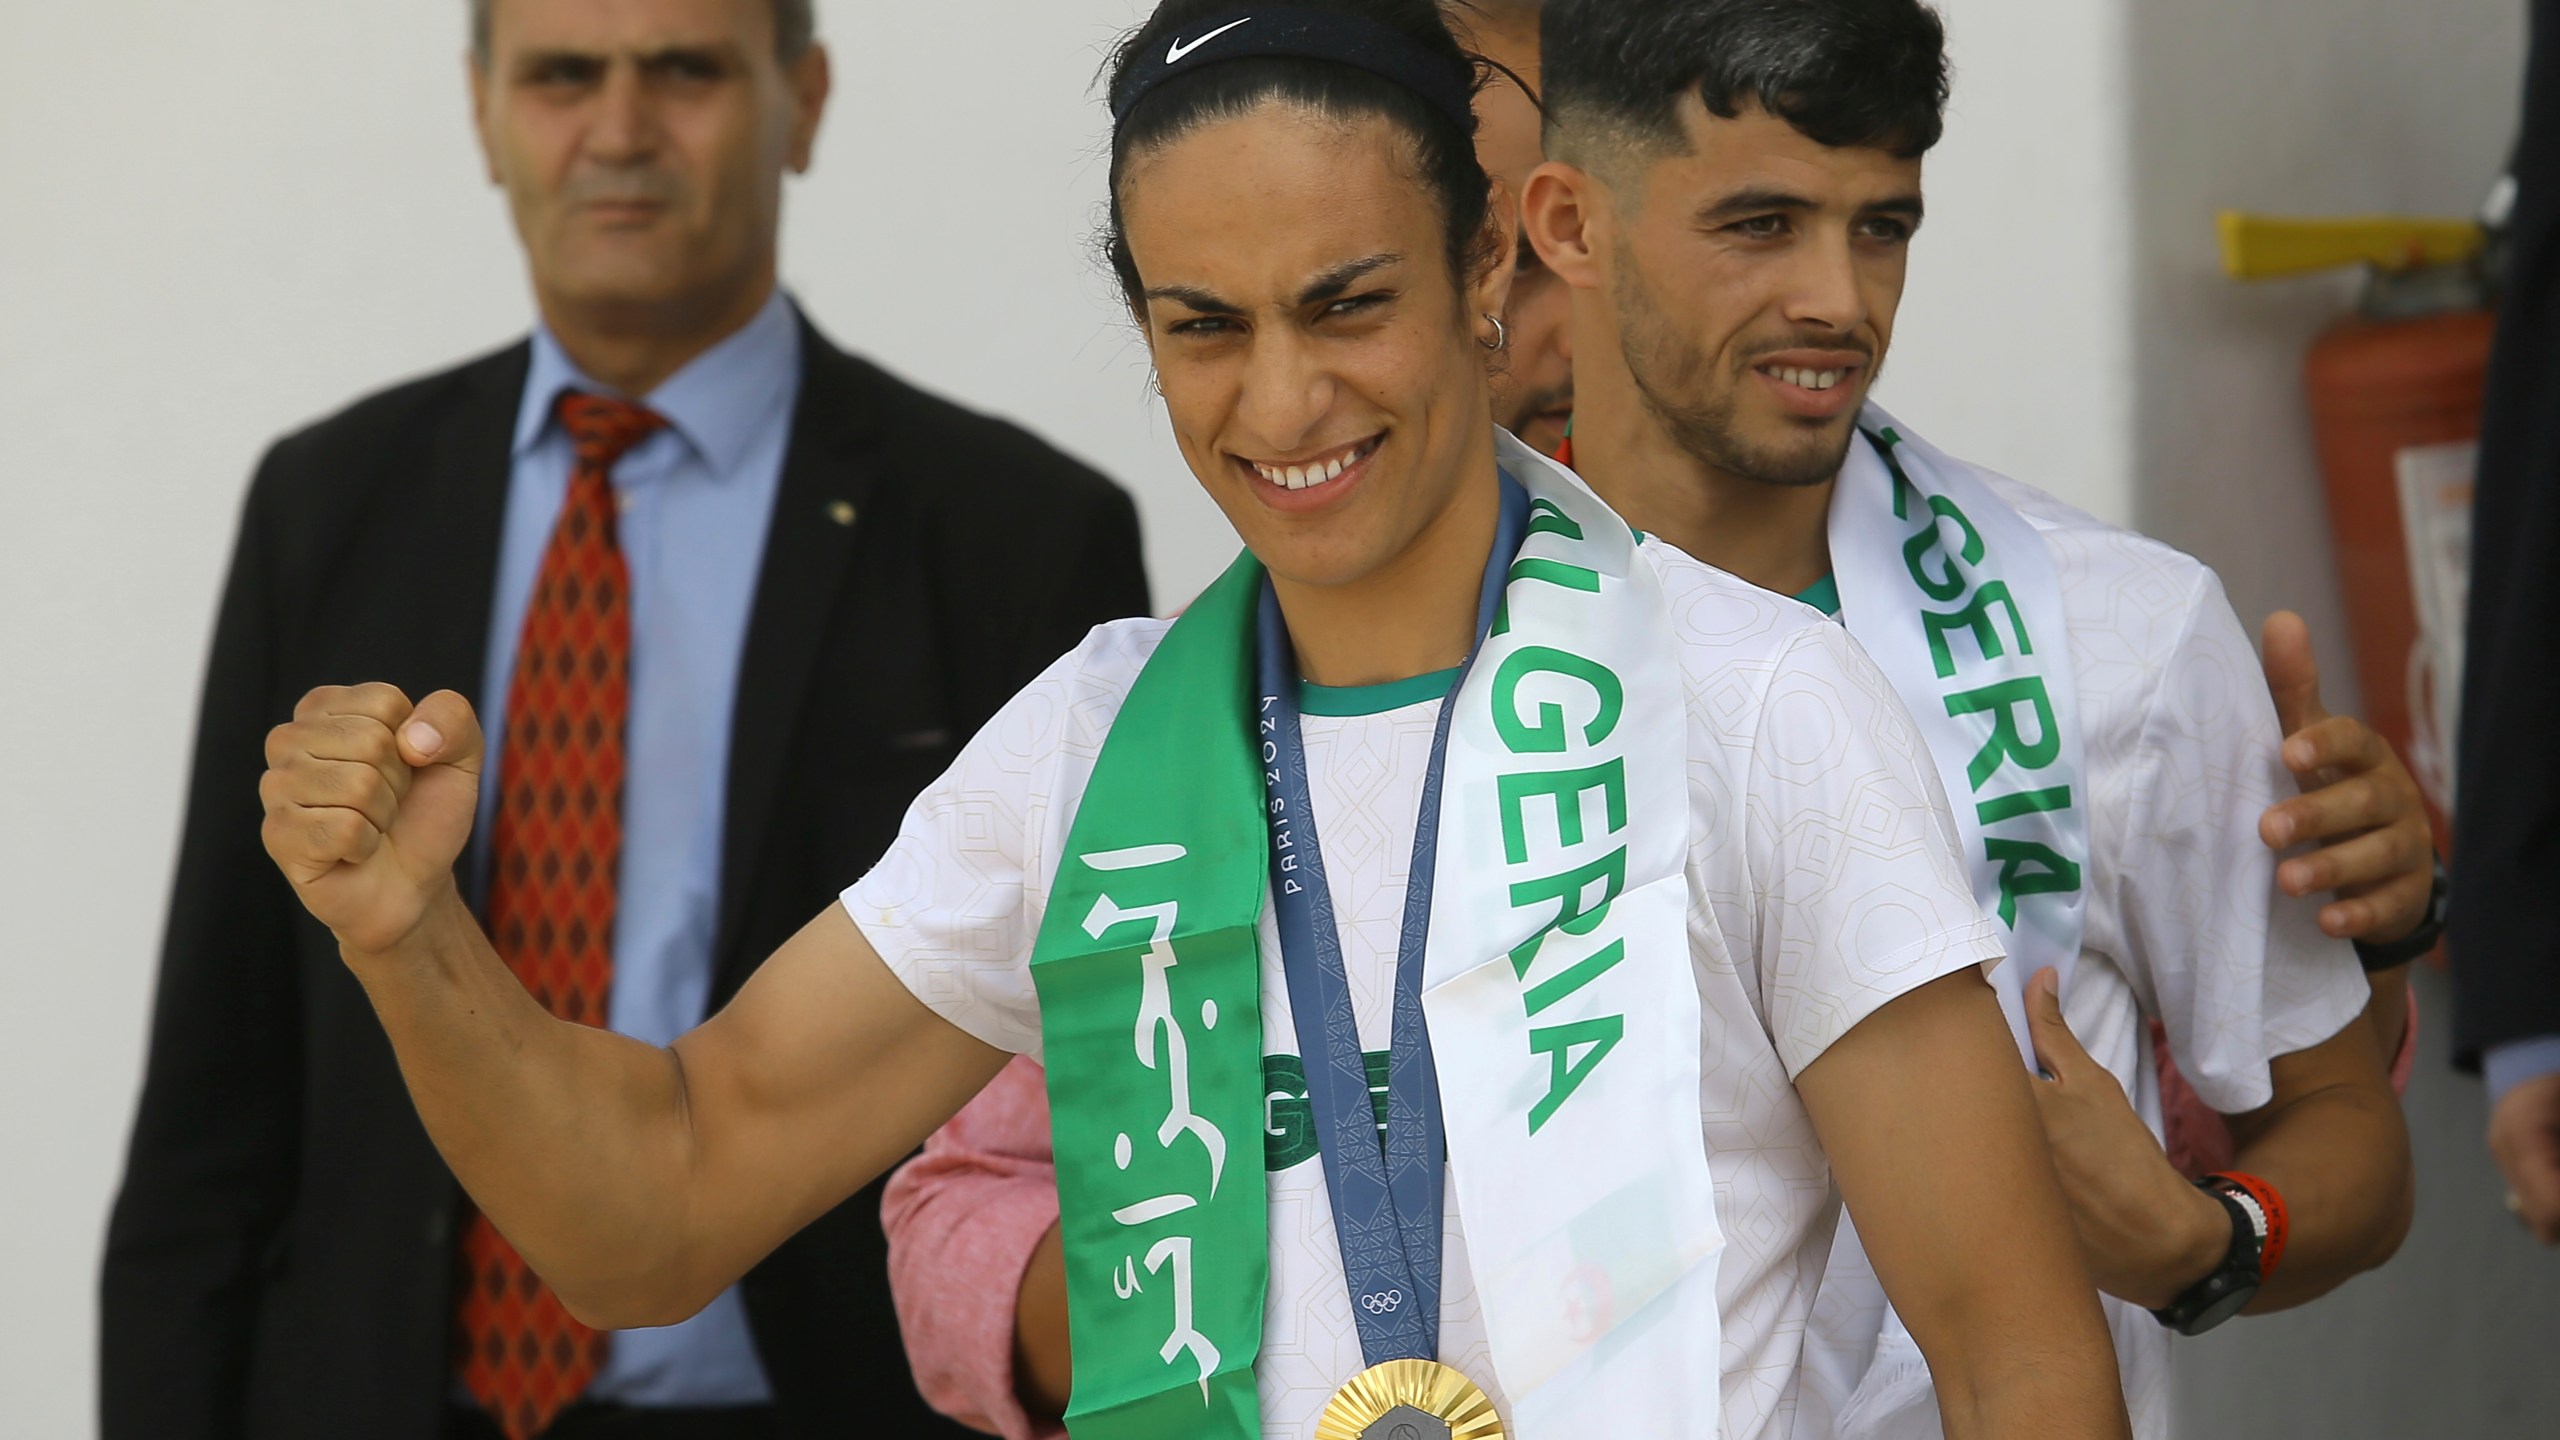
1754, 281
1319, 363
642, 145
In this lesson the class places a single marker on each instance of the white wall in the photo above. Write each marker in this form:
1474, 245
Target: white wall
2014, 346
948, 232
219, 221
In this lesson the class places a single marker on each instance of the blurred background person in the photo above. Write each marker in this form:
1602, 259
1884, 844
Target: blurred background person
744, 592
2506, 968
1533, 392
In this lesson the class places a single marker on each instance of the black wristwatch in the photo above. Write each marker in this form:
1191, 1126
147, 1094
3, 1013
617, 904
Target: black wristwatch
2228, 1290
2392, 954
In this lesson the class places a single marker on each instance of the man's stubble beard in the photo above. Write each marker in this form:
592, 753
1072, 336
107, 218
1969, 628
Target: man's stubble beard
1668, 369
1517, 409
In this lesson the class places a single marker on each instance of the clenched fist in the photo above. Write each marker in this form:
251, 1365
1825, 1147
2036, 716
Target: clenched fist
369, 802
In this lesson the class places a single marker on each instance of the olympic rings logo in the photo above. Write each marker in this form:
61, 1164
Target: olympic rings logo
1383, 1302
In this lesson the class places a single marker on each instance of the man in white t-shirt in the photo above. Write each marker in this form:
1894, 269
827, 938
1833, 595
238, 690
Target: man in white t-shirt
1731, 193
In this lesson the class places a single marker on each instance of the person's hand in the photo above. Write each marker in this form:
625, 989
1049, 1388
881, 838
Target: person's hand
2359, 805
2524, 1137
369, 801
2147, 1232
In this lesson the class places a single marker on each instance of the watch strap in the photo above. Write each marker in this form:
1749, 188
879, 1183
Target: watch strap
2418, 943
2232, 1284
2266, 1208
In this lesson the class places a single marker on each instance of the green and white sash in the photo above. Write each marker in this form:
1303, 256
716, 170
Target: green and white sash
1558, 992
1953, 594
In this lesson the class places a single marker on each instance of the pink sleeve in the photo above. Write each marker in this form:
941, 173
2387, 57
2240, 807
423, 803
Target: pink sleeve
2197, 1140
963, 1220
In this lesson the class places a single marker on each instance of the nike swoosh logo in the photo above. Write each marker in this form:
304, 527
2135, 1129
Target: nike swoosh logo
1174, 55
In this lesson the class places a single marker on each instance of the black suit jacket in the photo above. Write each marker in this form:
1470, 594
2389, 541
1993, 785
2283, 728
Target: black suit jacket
280, 1263
2506, 853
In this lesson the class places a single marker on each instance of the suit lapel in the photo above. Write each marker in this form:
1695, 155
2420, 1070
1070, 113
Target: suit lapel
816, 518
471, 468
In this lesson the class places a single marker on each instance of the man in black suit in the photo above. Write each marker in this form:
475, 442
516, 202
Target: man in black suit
2506, 850
803, 583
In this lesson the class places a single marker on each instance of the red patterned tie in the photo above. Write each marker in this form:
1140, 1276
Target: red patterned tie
553, 852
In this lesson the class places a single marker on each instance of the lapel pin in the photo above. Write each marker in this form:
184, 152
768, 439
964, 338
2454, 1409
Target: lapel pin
841, 512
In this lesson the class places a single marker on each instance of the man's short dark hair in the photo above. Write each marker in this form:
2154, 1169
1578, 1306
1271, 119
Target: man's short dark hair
1867, 74
795, 28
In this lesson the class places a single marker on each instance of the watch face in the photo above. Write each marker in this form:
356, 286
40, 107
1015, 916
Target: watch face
2243, 1290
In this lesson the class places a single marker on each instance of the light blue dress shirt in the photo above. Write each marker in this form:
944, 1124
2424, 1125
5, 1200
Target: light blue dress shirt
2507, 1066
696, 501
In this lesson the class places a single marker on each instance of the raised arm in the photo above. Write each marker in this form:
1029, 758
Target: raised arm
640, 1182
1933, 1136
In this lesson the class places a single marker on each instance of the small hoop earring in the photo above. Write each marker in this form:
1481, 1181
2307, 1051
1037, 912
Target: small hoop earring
1501, 340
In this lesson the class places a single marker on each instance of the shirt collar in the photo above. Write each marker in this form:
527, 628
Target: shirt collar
719, 402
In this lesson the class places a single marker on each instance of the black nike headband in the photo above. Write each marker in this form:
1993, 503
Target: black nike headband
1283, 33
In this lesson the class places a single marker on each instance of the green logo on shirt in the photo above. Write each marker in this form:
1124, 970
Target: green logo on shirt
1289, 1122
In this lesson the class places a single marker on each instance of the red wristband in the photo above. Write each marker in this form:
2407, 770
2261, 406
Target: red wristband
2269, 1204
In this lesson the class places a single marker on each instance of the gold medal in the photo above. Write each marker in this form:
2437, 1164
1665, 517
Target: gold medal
1437, 1403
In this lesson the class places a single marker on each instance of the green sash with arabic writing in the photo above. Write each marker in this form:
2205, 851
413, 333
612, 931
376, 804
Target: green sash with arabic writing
1150, 1002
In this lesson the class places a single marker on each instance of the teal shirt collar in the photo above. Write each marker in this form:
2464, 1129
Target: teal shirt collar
1823, 595
1345, 702
1348, 702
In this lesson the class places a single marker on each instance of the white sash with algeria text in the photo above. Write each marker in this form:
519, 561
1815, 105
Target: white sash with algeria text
1952, 593
1560, 996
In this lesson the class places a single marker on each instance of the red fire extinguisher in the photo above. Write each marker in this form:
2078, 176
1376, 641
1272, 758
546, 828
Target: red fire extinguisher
2395, 394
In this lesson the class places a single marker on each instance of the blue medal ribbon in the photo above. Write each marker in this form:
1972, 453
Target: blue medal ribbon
1386, 1197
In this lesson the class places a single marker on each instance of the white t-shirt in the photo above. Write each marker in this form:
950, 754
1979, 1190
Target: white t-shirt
2185, 922
1823, 883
